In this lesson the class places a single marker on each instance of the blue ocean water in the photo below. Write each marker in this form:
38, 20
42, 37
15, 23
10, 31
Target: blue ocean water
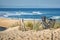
30, 13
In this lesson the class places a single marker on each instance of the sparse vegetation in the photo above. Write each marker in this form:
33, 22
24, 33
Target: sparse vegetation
57, 25
36, 26
29, 24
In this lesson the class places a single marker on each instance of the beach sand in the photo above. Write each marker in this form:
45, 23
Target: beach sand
14, 33
5, 22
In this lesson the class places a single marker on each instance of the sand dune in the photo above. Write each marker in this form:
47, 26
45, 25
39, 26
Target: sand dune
16, 34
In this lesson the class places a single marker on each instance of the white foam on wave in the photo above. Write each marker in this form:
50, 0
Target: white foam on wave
24, 13
20, 13
12, 14
55, 17
28, 13
34, 12
5, 15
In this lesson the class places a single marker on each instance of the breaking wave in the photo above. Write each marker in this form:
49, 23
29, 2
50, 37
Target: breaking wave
6, 14
55, 17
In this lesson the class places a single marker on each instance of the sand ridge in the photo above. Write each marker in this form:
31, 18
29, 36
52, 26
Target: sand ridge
16, 34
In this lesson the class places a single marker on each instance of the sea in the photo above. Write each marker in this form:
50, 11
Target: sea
30, 13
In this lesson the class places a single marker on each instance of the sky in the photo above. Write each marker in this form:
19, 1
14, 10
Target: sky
29, 3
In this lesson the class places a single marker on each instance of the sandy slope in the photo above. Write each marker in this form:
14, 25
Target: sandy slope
16, 34
4, 22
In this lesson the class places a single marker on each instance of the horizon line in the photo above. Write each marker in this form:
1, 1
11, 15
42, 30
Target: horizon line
0, 8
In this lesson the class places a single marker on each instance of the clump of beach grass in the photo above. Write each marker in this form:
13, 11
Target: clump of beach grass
36, 26
29, 25
57, 25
